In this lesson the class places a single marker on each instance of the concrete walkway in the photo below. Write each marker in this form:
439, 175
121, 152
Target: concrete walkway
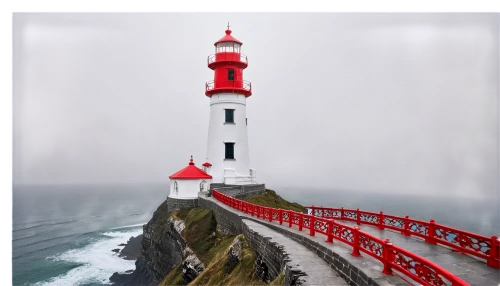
470, 269
317, 271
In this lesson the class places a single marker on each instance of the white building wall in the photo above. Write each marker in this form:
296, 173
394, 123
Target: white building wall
187, 189
220, 132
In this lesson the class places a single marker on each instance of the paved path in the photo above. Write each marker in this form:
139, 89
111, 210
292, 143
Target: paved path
470, 269
317, 270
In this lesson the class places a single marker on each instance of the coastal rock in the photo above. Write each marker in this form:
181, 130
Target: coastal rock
161, 249
233, 255
132, 248
116, 250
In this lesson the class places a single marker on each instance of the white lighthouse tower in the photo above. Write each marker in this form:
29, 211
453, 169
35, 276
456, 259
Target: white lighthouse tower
227, 148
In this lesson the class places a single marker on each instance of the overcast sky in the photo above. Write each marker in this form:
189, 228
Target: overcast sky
382, 102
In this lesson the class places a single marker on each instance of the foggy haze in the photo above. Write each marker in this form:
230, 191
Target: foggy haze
403, 103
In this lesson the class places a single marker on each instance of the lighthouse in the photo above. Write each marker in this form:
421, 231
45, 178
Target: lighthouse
227, 146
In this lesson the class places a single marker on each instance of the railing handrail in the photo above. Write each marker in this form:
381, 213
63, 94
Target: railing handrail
390, 255
211, 58
467, 242
246, 85
213, 81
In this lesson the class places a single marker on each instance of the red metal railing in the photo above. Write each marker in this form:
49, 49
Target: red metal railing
481, 246
227, 57
393, 257
227, 84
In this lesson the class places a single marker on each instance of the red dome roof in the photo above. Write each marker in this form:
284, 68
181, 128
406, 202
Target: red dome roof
191, 172
207, 164
228, 38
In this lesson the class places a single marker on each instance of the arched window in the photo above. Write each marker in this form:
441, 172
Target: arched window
202, 185
176, 188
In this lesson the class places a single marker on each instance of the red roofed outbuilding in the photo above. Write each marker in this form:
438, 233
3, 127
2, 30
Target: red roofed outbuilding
189, 181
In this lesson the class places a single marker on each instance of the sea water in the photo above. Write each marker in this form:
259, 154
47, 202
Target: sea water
64, 235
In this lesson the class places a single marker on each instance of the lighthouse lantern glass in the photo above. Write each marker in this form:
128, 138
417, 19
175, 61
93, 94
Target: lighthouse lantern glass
228, 47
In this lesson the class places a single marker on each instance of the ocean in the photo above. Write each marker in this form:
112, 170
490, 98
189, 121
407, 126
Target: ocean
64, 235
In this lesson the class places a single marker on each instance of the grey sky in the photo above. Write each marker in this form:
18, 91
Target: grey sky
386, 102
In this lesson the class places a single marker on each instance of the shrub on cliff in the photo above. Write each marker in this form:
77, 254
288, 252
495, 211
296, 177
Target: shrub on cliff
270, 199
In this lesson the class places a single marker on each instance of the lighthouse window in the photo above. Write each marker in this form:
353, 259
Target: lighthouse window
229, 150
229, 115
230, 74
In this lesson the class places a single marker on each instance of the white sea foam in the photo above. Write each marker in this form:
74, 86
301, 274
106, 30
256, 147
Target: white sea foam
129, 226
99, 262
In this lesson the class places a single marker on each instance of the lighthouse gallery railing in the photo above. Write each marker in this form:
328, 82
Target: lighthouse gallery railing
481, 246
393, 257
227, 57
228, 84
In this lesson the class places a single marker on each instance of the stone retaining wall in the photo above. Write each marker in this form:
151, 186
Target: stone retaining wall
239, 191
174, 204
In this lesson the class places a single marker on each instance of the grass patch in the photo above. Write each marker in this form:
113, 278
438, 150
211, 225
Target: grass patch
242, 274
200, 233
174, 277
272, 200
183, 213
279, 281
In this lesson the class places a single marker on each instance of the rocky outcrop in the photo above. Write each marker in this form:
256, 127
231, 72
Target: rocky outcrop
233, 255
132, 249
162, 248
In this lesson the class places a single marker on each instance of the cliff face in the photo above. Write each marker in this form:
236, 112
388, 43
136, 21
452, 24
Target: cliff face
162, 249
190, 239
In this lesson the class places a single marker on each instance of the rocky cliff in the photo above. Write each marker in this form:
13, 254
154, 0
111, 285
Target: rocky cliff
185, 245
162, 249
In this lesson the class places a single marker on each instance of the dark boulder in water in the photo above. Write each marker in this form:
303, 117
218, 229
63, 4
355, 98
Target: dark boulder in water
132, 249
116, 250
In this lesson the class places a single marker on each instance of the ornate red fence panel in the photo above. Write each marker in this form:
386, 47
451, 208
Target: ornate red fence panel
470, 243
481, 246
421, 270
392, 256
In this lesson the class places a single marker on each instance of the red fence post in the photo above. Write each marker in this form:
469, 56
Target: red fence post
431, 232
290, 217
342, 214
311, 226
358, 217
329, 232
258, 211
270, 211
406, 229
355, 243
381, 221
280, 213
494, 259
301, 221
312, 210
387, 257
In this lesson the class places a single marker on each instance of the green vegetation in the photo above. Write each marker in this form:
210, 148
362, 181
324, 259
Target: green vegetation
212, 248
272, 200
219, 272
174, 277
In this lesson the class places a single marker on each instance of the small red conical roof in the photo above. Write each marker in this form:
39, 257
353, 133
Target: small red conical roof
207, 164
228, 38
190, 172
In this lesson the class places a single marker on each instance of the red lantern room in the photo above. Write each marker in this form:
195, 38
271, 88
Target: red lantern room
228, 65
